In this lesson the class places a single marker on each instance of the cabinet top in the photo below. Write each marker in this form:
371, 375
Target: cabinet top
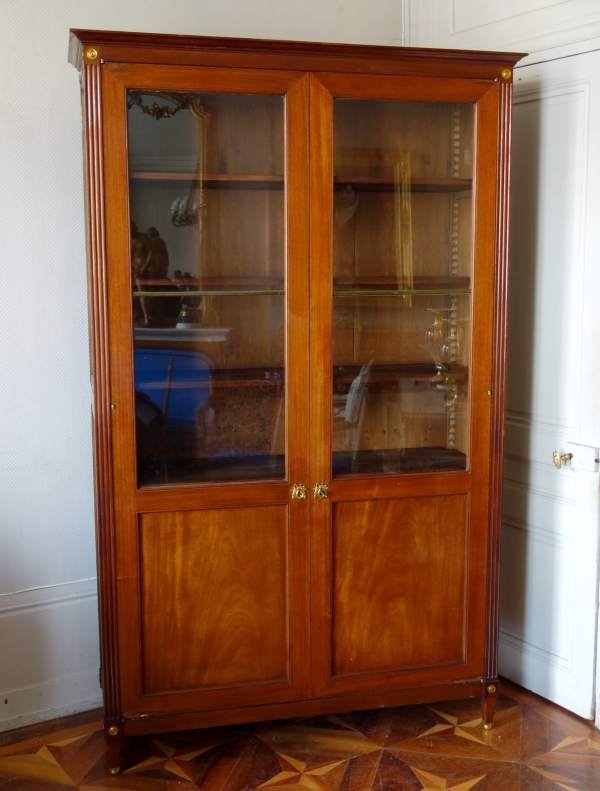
127, 47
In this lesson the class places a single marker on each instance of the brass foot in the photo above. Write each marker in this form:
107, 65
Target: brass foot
114, 771
488, 725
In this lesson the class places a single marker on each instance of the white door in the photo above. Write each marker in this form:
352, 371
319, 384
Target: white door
550, 539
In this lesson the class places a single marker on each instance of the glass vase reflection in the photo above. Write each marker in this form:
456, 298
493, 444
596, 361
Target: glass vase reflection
443, 344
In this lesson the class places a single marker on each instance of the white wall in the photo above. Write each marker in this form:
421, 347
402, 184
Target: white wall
48, 626
533, 26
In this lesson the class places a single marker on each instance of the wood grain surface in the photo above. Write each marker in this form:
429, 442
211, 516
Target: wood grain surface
399, 579
214, 598
100, 364
499, 375
305, 55
230, 602
162, 500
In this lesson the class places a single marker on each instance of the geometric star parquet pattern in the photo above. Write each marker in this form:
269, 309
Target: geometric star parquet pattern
438, 747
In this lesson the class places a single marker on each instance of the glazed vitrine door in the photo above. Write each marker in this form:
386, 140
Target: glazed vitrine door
403, 183
208, 290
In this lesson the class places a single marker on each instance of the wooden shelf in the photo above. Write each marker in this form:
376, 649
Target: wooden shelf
343, 286
225, 378
390, 281
258, 467
211, 287
403, 460
257, 181
385, 374
209, 293
427, 285
248, 377
163, 336
227, 283
388, 184
401, 292
277, 283
214, 180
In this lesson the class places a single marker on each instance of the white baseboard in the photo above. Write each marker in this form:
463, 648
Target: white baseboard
50, 657
47, 701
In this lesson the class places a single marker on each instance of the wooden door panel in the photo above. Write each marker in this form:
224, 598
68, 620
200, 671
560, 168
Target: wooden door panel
231, 628
399, 578
214, 596
400, 555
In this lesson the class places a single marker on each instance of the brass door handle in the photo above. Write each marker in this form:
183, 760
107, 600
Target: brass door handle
558, 459
298, 491
321, 491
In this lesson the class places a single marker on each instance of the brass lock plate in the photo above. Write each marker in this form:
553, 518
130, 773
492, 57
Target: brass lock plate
298, 491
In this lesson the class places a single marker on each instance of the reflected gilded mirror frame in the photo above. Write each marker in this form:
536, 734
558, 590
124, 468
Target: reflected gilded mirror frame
398, 161
191, 210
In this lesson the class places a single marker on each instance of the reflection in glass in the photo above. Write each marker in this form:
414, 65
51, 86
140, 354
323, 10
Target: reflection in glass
208, 291
402, 262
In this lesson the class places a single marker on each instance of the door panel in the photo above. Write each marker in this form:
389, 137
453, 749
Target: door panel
208, 290
549, 592
401, 305
230, 566
399, 578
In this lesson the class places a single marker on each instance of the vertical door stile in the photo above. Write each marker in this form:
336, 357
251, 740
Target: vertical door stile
321, 231
298, 370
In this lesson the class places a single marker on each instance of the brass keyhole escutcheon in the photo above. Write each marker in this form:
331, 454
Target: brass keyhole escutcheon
298, 491
558, 459
92, 53
321, 491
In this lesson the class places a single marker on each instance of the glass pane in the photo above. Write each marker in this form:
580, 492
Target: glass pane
402, 263
208, 261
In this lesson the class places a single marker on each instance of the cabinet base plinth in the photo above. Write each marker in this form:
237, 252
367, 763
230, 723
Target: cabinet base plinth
161, 723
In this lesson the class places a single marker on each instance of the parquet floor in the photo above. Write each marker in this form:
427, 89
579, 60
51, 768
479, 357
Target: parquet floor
534, 746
